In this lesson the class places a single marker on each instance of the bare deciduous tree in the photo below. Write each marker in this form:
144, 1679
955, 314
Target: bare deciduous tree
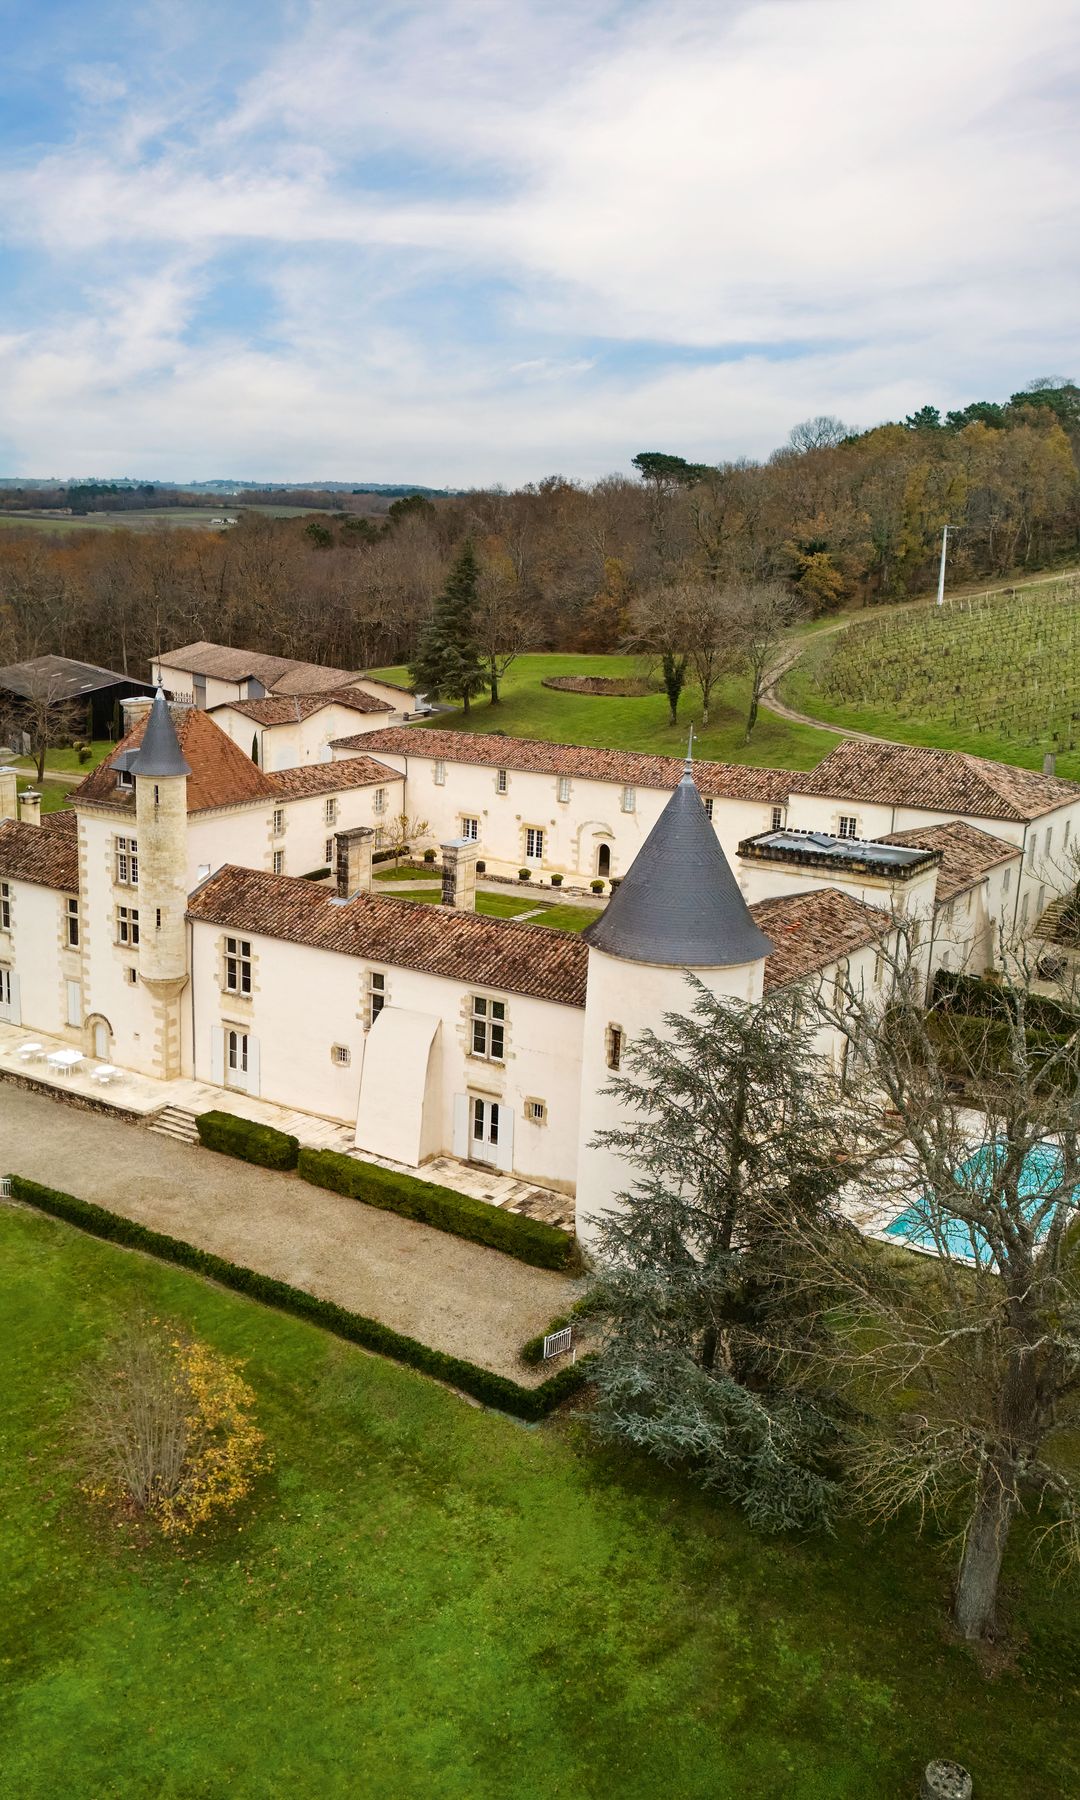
760, 613
823, 432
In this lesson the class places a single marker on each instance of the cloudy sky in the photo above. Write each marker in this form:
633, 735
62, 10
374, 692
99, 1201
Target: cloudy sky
472, 241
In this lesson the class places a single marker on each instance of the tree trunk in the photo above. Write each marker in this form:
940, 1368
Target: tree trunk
493, 680
751, 719
975, 1605
465, 701
42, 751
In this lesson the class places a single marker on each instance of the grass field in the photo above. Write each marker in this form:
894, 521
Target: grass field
529, 710
191, 518
53, 793
999, 677
508, 906
426, 1600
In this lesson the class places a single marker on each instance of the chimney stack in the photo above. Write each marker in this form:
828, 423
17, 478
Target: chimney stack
30, 807
134, 708
353, 855
1050, 764
9, 792
459, 874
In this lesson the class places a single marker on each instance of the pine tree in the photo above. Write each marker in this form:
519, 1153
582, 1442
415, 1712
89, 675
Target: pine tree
734, 1134
448, 661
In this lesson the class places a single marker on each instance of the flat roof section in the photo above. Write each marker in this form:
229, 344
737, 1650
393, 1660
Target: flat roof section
848, 856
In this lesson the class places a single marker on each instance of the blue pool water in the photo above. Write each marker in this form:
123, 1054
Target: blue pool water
1041, 1177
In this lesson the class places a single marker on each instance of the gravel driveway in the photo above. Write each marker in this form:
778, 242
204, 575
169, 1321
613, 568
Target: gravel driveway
455, 1296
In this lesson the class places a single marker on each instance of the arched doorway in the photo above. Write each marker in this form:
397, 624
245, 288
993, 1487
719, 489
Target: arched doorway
603, 861
98, 1036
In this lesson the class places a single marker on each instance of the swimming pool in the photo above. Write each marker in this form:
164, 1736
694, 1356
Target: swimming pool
1040, 1179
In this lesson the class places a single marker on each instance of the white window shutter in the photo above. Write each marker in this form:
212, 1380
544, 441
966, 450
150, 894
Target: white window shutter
504, 1149
253, 1079
217, 1055
15, 1014
461, 1126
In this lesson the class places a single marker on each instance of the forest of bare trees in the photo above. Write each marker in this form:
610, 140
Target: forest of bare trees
831, 519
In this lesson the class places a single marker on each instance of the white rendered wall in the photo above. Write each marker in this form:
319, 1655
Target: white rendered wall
35, 952
107, 992
298, 741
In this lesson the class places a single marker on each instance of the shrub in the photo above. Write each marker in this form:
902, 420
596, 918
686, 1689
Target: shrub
481, 867
614, 882
252, 1143
83, 752
954, 992
168, 1429
597, 887
315, 875
389, 855
482, 1384
556, 881
532, 1352
531, 1241
524, 874
429, 856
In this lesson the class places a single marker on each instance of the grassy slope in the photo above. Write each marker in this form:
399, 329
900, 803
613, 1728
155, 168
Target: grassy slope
427, 1600
507, 906
530, 710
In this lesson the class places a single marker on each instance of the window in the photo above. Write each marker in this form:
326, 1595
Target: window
157, 918
131, 976
614, 1046
1040, 904
340, 1056
72, 920
237, 966
236, 1048
127, 925
488, 1028
777, 817
127, 862
500, 781
1006, 881
879, 966
1024, 911
5, 906
328, 853
564, 787
376, 994
380, 800
534, 844
916, 934
849, 825
629, 799
708, 809
279, 820
331, 811
5, 987
1031, 852
1049, 836
1065, 834
279, 862
73, 999
536, 1112
440, 773
124, 778
470, 828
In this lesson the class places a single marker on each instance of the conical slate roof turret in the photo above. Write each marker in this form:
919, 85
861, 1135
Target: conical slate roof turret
680, 904
159, 752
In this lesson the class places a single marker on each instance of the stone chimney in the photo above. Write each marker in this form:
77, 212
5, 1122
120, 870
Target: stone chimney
459, 874
9, 794
30, 807
135, 707
1050, 764
353, 854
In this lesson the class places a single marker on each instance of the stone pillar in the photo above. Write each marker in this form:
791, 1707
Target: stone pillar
459, 874
353, 856
9, 793
30, 807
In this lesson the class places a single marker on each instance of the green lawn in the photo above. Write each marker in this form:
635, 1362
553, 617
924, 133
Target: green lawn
53, 793
428, 1602
66, 759
508, 906
530, 710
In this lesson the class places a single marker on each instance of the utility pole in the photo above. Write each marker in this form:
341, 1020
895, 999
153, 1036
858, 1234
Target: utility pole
941, 570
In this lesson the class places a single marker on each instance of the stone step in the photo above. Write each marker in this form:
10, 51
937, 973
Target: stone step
175, 1122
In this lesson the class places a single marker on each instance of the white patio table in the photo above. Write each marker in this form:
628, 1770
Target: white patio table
63, 1061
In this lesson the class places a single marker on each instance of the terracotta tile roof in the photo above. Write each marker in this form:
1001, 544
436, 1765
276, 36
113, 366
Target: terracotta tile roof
34, 853
631, 768
810, 931
221, 775
940, 780
331, 777
289, 709
282, 674
462, 946
63, 819
967, 854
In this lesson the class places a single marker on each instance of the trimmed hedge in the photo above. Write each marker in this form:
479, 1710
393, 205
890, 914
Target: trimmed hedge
483, 1384
249, 1141
530, 1240
976, 1047
972, 996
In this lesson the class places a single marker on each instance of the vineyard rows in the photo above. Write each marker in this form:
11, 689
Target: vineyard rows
1007, 665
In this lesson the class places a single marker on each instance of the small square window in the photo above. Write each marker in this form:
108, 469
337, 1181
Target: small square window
536, 1112
341, 1056
470, 828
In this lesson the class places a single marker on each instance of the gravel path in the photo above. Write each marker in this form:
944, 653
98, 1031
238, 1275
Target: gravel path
455, 1296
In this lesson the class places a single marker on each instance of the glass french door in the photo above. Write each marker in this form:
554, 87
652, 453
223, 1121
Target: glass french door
484, 1146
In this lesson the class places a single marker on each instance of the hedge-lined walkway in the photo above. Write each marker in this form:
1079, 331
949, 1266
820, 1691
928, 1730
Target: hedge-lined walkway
455, 1296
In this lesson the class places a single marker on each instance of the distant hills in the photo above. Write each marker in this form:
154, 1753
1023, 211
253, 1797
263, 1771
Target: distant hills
229, 488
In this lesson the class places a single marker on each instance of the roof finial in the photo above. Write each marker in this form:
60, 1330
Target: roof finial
690, 751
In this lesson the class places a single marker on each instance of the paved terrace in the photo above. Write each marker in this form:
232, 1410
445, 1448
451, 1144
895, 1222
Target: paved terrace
455, 1296
139, 1098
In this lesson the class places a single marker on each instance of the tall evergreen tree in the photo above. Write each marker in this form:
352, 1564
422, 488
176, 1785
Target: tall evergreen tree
734, 1133
448, 662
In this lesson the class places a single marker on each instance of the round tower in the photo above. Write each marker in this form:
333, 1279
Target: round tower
161, 776
677, 912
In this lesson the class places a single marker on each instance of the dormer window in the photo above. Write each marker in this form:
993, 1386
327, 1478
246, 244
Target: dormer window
125, 779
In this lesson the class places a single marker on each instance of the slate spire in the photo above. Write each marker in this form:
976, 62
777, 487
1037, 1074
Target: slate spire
680, 905
159, 753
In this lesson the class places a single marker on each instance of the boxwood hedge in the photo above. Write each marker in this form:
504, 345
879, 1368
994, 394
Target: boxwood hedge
531, 1241
253, 1143
483, 1384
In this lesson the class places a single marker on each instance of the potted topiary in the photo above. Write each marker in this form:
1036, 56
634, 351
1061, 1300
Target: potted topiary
556, 881
597, 887
524, 874
429, 856
481, 867
615, 880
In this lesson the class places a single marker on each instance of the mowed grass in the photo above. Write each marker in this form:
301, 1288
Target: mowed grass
528, 709
507, 906
53, 793
192, 518
427, 1600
